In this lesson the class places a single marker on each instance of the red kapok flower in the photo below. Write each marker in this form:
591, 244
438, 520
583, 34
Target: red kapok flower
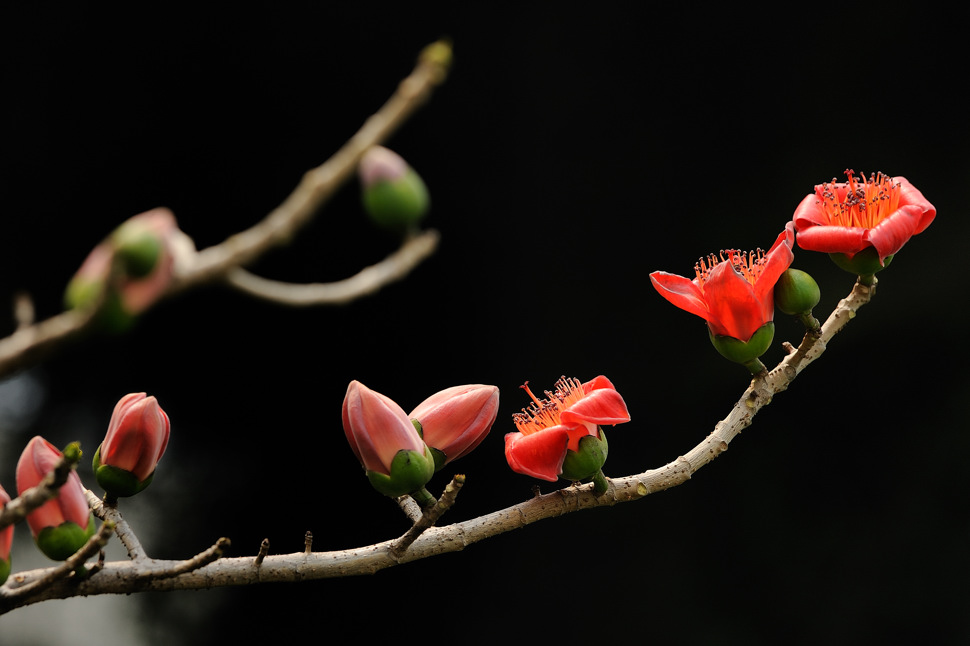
733, 292
552, 426
881, 213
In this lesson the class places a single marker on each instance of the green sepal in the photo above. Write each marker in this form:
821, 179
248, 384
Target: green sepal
4, 570
59, 543
864, 263
112, 317
744, 352
410, 471
439, 458
399, 204
588, 460
136, 251
117, 482
796, 292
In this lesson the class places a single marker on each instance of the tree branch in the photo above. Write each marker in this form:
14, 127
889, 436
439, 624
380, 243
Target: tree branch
126, 577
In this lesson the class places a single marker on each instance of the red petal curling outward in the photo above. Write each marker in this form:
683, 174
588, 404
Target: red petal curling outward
601, 405
823, 227
539, 455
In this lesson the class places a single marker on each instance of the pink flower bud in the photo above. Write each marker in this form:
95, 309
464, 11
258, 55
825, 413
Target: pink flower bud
136, 440
38, 459
395, 458
455, 420
377, 428
137, 263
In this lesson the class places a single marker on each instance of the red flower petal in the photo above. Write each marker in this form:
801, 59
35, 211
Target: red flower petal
538, 455
602, 406
683, 293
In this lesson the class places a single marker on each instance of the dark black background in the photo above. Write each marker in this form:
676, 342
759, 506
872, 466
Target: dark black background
570, 153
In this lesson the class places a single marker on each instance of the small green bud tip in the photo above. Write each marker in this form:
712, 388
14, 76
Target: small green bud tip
746, 352
73, 451
410, 471
59, 543
437, 53
588, 460
863, 264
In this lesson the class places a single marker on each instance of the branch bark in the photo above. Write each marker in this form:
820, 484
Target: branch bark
123, 577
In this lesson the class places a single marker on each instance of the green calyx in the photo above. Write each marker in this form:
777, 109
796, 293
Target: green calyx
136, 251
746, 352
399, 204
410, 471
117, 482
863, 264
4, 570
59, 543
588, 460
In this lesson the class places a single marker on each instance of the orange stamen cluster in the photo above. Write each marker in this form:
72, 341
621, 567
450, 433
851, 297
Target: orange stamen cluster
544, 413
749, 265
866, 203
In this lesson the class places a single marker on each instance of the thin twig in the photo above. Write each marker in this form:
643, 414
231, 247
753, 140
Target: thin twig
396, 266
122, 529
429, 517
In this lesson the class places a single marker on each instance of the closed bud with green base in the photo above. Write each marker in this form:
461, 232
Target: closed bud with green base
63, 525
796, 294
394, 195
137, 436
395, 458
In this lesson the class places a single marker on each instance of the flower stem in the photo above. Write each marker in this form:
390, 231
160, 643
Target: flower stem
755, 366
600, 484
423, 498
810, 321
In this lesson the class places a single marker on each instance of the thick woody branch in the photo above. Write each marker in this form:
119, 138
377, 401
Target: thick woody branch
126, 577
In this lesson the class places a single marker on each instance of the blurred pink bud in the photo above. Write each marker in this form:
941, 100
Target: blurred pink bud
377, 428
455, 420
38, 459
143, 250
137, 436
381, 164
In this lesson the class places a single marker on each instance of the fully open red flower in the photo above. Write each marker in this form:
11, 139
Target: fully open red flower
551, 426
881, 212
733, 292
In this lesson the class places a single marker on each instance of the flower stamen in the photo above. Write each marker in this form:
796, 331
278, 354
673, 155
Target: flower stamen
544, 413
749, 265
860, 202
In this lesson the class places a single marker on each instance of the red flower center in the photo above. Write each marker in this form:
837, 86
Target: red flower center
749, 265
545, 413
860, 203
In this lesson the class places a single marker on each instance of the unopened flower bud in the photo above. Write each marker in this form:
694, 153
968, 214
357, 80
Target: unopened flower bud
796, 294
395, 458
455, 420
394, 195
137, 436
135, 264
63, 525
